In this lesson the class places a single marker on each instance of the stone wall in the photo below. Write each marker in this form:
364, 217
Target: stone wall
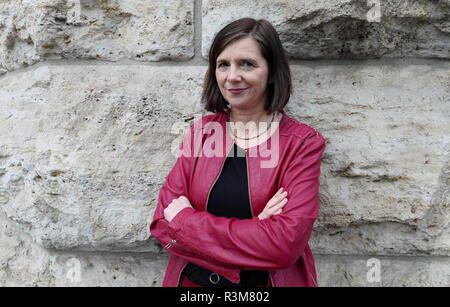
95, 95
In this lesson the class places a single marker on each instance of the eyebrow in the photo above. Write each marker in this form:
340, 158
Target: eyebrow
243, 59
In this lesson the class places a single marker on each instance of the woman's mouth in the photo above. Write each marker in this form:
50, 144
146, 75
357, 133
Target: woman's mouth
237, 91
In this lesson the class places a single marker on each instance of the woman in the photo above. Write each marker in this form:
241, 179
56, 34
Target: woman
228, 215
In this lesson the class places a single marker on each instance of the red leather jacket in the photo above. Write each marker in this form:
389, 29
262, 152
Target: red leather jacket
278, 244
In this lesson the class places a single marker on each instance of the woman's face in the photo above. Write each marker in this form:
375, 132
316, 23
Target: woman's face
241, 66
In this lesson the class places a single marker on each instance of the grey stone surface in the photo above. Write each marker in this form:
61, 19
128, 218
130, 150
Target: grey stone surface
25, 263
32, 31
385, 171
85, 149
360, 271
337, 29
90, 131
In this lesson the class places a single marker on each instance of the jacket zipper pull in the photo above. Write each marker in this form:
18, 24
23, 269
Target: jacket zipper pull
168, 245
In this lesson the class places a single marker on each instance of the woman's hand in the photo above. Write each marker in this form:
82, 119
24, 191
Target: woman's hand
275, 205
175, 207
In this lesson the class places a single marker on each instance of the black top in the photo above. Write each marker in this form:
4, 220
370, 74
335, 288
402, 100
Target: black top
229, 198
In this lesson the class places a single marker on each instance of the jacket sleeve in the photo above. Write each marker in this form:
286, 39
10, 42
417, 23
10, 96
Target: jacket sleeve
272, 243
176, 185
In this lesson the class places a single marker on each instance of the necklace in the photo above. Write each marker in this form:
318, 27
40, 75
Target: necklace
235, 136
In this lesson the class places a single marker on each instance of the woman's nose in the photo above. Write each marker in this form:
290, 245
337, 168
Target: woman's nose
234, 74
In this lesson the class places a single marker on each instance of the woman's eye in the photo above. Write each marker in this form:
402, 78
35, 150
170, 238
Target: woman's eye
244, 64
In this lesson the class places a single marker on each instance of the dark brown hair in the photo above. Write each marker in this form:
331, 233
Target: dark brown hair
262, 31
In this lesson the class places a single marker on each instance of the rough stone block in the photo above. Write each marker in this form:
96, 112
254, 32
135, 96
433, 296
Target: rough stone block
337, 29
31, 31
385, 171
370, 271
23, 263
84, 150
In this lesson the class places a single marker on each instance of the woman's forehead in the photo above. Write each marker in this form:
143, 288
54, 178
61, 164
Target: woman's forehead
242, 49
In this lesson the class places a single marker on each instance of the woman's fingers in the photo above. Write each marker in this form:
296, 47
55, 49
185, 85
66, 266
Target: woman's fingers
276, 199
279, 206
275, 204
278, 212
275, 196
175, 206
